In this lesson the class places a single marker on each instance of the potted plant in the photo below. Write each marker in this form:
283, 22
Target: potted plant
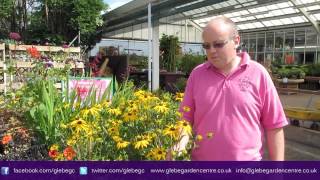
289, 76
169, 51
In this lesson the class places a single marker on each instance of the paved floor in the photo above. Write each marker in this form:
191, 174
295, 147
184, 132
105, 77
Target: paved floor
301, 152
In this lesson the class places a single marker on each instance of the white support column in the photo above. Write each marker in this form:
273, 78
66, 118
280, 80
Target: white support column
149, 46
155, 55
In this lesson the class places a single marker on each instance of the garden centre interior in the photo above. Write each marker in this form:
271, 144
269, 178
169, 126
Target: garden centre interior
155, 44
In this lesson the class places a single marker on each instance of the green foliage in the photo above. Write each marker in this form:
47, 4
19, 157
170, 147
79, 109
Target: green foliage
181, 84
54, 20
41, 116
6, 8
141, 62
291, 72
86, 16
169, 49
313, 70
189, 61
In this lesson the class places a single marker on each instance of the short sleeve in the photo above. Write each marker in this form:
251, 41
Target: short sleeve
272, 115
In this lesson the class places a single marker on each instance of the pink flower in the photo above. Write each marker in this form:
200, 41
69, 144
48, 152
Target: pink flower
65, 46
15, 36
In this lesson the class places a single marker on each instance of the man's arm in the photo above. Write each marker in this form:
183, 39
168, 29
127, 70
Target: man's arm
180, 146
275, 141
103, 67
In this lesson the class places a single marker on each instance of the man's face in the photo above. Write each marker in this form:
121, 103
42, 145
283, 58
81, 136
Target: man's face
220, 45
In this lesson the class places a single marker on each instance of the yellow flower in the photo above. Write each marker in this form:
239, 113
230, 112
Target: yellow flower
114, 111
129, 116
113, 131
161, 109
59, 157
185, 125
186, 108
63, 126
122, 144
72, 141
142, 142
199, 137
209, 135
54, 147
106, 104
66, 106
77, 105
115, 123
93, 111
171, 131
179, 114
79, 125
179, 97
116, 138
139, 93
157, 154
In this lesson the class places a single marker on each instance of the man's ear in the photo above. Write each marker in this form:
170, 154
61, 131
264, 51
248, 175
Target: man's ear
236, 41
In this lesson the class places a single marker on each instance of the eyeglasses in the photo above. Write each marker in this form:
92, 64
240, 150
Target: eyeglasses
215, 44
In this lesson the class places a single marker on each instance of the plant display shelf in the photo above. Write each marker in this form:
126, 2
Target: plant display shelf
22, 65
13, 47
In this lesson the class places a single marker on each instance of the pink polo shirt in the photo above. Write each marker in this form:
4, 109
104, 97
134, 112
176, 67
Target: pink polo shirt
236, 109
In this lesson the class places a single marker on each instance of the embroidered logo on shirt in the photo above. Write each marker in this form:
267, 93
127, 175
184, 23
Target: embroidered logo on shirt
244, 83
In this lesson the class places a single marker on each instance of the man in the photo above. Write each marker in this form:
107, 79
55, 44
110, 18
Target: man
232, 99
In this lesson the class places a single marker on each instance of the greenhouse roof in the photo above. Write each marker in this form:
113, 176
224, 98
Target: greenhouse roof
249, 15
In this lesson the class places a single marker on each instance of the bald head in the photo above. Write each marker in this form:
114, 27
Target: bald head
222, 23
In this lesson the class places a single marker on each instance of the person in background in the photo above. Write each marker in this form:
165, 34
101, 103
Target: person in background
233, 99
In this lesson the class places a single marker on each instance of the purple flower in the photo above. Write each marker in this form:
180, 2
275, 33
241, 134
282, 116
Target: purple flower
44, 58
15, 36
65, 46
48, 64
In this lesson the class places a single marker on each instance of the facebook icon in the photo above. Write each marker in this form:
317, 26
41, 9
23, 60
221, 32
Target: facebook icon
4, 170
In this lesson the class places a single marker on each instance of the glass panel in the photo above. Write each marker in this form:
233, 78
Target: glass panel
269, 41
269, 57
252, 44
260, 57
289, 35
278, 56
311, 38
252, 55
278, 41
244, 43
310, 57
261, 42
298, 56
300, 37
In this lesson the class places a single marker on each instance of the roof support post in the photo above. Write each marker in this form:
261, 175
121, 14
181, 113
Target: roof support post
149, 46
155, 55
